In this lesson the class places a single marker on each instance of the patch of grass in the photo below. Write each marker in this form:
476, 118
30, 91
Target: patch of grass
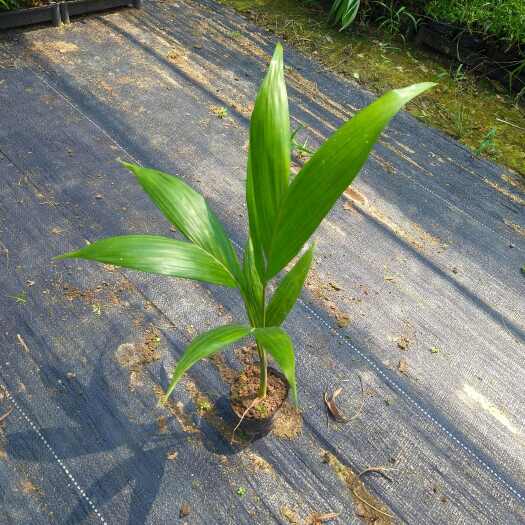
503, 18
462, 105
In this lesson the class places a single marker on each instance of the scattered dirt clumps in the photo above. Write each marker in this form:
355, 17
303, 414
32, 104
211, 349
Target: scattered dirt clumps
107, 294
402, 366
318, 518
343, 320
403, 342
324, 291
288, 422
257, 463
516, 227
247, 355
227, 373
176, 409
185, 510
290, 516
54, 50
244, 392
161, 422
28, 487
367, 507
135, 356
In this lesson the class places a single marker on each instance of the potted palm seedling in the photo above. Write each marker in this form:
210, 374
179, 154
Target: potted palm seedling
283, 213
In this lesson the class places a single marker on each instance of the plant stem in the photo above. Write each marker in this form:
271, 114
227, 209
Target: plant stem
263, 358
263, 372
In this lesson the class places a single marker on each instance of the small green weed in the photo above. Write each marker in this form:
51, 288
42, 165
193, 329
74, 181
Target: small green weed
203, 405
301, 150
396, 20
488, 145
235, 35
20, 298
263, 411
459, 119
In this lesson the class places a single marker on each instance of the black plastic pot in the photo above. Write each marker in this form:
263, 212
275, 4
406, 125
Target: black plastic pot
257, 428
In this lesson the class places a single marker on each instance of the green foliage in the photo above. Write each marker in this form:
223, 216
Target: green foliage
156, 254
343, 12
205, 345
487, 144
288, 291
268, 158
396, 19
9, 5
503, 18
282, 217
321, 181
188, 211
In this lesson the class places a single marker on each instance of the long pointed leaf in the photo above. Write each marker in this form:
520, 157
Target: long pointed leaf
269, 153
156, 254
252, 287
253, 221
205, 345
288, 291
329, 172
189, 212
279, 345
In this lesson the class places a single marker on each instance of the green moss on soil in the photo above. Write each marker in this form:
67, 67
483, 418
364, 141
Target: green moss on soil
465, 107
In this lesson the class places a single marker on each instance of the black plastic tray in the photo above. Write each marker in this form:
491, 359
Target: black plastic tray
33, 15
59, 12
82, 7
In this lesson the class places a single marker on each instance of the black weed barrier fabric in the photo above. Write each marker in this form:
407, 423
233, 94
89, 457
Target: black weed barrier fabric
416, 292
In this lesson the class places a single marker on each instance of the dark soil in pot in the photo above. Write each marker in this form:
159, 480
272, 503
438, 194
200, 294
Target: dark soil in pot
258, 419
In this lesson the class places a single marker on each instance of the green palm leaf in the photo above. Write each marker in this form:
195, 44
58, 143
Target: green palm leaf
252, 288
204, 345
275, 340
189, 212
269, 155
156, 254
288, 290
329, 172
